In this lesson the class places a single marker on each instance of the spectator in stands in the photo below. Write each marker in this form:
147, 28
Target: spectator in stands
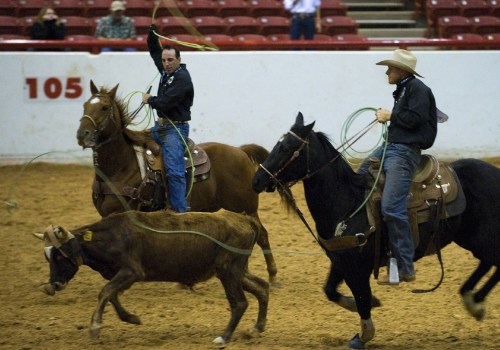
306, 18
116, 26
412, 128
48, 26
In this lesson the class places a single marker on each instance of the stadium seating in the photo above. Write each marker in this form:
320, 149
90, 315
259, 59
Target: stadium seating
440, 8
10, 25
97, 8
252, 37
494, 6
8, 8
141, 24
215, 37
173, 25
273, 25
470, 37
209, 24
194, 8
333, 25
470, 8
259, 8
69, 7
485, 25
278, 37
230, 8
237, 25
449, 25
333, 8
31, 7
78, 25
134, 8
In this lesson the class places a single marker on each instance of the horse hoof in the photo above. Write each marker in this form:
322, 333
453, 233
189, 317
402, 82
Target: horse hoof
219, 341
356, 343
475, 309
94, 332
48, 289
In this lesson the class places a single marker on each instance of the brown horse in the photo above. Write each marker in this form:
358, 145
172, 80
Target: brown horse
103, 128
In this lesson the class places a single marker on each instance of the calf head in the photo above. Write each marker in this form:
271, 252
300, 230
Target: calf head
63, 253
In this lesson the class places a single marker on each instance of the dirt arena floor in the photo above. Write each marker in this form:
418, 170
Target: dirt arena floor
300, 317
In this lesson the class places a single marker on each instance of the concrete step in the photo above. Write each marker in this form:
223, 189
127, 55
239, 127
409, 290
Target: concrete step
374, 5
385, 15
385, 23
392, 32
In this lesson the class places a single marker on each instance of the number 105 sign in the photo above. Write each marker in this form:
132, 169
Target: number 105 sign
53, 88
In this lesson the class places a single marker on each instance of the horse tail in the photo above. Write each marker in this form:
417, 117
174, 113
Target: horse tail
256, 153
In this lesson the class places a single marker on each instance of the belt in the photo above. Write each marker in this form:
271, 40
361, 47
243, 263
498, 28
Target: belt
302, 15
165, 121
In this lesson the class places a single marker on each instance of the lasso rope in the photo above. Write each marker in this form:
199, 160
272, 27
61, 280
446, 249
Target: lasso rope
174, 10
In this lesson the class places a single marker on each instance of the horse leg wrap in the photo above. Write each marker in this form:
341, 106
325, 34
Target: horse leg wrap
367, 330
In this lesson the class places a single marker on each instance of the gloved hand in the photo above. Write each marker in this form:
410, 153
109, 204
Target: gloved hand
152, 27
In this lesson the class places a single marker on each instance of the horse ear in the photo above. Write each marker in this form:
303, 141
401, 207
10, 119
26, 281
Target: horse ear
112, 92
310, 127
93, 88
299, 121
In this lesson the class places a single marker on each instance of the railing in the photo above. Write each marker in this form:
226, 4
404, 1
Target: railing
95, 46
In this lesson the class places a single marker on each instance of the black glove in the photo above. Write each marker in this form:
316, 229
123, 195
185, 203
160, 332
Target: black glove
152, 27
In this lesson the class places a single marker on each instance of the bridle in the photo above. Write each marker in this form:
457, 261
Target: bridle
99, 128
295, 155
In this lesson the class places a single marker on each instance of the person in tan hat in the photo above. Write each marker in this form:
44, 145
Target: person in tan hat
116, 26
412, 128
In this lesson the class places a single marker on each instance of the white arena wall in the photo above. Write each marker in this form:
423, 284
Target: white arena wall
246, 97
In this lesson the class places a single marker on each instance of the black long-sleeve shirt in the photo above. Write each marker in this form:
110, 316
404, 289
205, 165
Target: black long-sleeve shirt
414, 115
49, 30
175, 92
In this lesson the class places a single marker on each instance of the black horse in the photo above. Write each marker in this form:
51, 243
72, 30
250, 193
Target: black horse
334, 191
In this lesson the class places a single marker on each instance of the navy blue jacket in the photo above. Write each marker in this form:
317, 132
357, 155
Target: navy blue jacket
175, 92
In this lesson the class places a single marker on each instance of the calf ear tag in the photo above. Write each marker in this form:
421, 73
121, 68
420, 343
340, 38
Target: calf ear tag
87, 236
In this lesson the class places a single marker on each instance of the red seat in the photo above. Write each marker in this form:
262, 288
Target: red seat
249, 37
259, 8
449, 25
273, 25
440, 8
26, 23
168, 8
209, 24
31, 7
10, 25
322, 37
80, 37
349, 37
141, 24
333, 25
492, 36
195, 8
241, 25
471, 8
278, 37
184, 37
218, 37
134, 8
78, 25
97, 8
333, 8
170, 25
229, 8
485, 25
8, 8
469, 37
494, 6
14, 37
69, 7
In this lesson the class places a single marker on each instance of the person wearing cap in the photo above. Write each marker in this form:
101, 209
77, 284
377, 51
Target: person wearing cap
173, 107
116, 26
412, 128
306, 18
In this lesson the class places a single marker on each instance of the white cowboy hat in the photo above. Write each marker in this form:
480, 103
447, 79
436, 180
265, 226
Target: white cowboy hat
402, 59
117, 6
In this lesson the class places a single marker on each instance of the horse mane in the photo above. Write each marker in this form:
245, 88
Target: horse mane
133, 137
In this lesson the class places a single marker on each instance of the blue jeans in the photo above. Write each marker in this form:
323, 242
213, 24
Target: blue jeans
173, 148
400, 163
304, 26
